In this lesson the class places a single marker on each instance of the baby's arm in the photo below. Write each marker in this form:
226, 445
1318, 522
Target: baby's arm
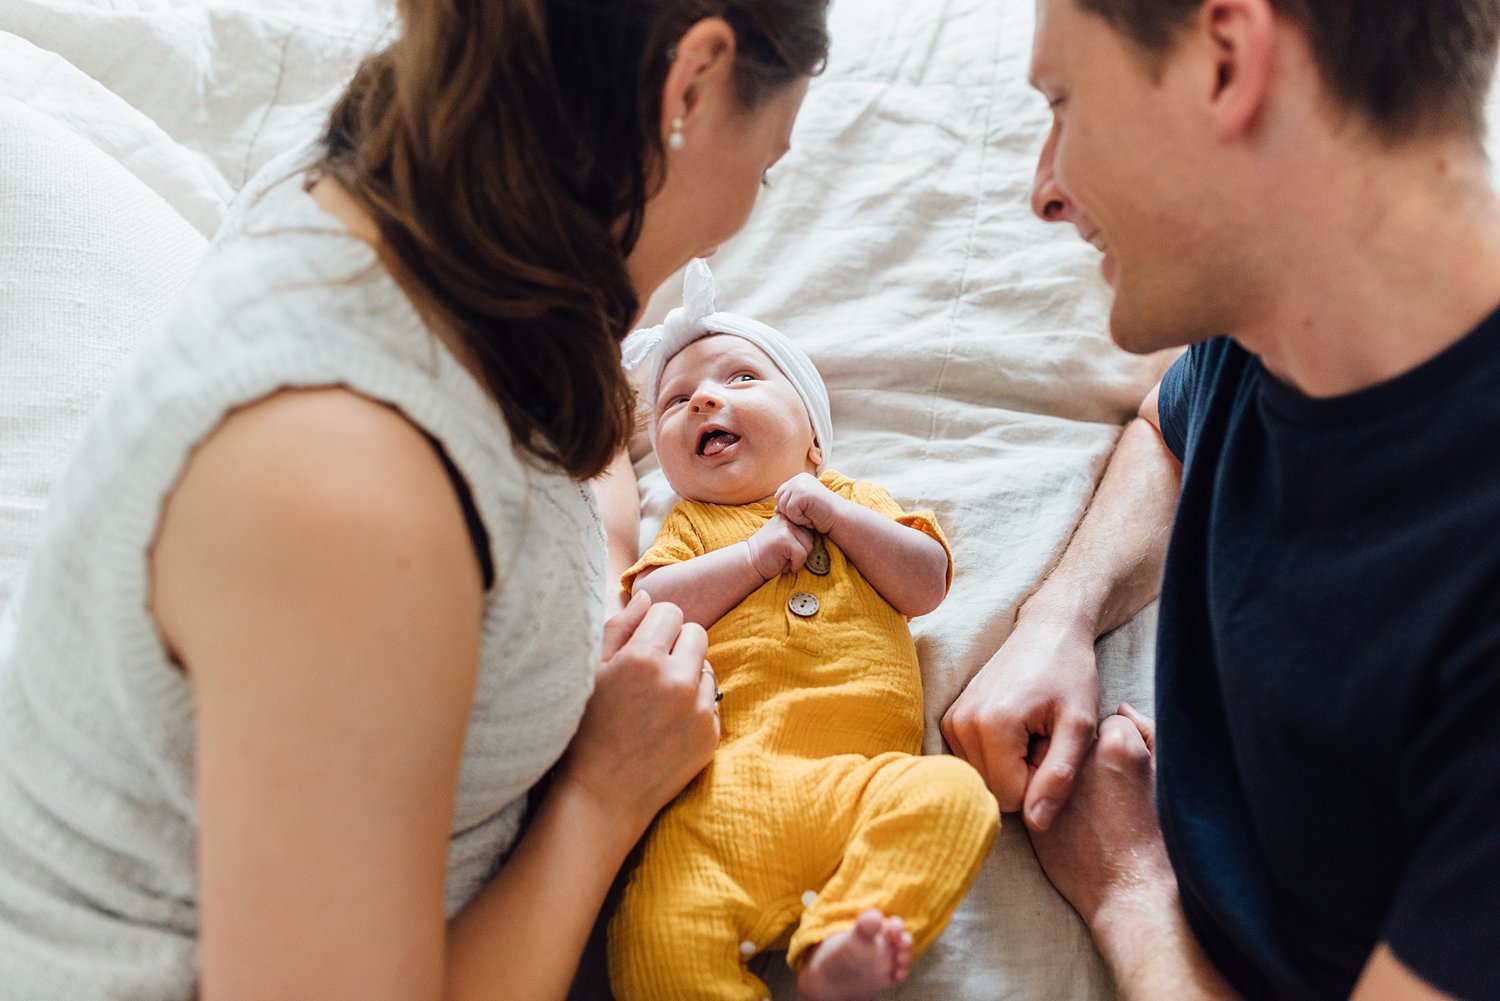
908, 567
707, 586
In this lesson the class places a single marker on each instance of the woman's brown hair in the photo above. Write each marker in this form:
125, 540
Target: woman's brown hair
506, 150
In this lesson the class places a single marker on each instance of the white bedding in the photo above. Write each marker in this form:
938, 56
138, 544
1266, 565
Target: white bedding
962, 341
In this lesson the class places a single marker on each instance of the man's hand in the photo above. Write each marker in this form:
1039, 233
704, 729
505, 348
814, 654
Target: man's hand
1028, 717
779, 547
1105, 854
805, 501
1105, 846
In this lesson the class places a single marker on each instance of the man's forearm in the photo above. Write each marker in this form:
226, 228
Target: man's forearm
1112, 566
1152, 953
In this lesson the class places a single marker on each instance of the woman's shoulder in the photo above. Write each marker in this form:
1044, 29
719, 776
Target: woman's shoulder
312, 486
328, 464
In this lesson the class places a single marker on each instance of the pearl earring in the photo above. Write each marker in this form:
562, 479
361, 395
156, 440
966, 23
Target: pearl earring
676, 139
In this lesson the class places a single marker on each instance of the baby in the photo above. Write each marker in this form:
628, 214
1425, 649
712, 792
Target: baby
818, 827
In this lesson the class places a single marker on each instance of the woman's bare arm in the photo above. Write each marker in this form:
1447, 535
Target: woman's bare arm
314, 576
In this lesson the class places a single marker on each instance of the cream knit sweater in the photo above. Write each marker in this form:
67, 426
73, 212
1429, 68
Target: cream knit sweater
97, 831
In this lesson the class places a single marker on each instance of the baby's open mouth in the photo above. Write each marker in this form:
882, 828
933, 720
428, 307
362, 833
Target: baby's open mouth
715, 441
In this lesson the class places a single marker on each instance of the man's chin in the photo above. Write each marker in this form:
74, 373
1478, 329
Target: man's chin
1143, 335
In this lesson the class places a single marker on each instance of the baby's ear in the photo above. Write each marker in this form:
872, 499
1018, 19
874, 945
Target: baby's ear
815, 454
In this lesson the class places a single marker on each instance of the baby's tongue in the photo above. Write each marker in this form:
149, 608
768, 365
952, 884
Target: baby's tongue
718, 442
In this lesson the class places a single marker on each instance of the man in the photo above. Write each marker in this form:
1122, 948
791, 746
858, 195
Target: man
1306, 176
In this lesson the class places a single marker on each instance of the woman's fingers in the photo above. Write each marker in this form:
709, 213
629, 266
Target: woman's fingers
618, 628
657, 632
691, 645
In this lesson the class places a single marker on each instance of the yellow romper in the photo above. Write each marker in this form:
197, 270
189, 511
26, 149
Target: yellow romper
817, 804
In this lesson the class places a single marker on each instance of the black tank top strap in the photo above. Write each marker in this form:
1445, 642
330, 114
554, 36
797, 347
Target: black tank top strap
477, 535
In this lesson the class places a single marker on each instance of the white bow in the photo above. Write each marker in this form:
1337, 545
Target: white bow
682, 324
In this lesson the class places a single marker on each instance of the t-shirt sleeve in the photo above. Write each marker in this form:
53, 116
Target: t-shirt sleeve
677, 542
1444, 923
879, 499
1174, 402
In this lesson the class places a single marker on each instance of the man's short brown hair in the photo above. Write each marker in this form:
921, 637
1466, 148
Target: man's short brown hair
1408, 67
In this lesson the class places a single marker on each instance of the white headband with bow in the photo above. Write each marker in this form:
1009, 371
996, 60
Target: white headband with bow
696, 319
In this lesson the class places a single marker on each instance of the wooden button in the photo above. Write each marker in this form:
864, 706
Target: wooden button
817, 560
803, 604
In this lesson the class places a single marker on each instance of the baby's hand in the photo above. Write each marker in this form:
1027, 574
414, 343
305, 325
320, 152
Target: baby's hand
779, 547
807, 502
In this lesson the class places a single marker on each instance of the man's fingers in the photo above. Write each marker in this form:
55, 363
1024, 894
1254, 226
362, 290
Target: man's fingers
1122, 744
1145, 724
996, 750
618, 628
953, 735
1057, 770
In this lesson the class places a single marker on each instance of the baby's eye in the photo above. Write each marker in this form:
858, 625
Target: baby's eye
674, 401
742, 377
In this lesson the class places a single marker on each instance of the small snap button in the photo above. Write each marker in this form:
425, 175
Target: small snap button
747, 948
809, 898
803, 604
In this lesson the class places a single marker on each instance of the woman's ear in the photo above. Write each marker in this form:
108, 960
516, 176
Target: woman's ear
701, 74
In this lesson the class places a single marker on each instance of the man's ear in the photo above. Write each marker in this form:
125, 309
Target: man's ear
1241, 40
702, 65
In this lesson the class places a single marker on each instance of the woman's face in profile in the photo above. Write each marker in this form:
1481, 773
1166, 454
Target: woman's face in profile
736, 176
712, 181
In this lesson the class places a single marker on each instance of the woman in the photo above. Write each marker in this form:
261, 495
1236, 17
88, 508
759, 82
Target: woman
320, 600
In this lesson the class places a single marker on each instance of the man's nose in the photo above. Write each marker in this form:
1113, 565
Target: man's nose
1048, 200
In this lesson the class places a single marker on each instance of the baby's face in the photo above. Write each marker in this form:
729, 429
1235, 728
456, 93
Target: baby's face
730, 427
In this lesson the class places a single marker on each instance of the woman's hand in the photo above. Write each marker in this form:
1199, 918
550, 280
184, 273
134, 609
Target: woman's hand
652, 723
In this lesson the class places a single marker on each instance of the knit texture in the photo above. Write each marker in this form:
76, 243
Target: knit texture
817, 804
98, 897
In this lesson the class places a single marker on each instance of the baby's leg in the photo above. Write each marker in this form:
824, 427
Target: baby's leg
676, 934
923, 826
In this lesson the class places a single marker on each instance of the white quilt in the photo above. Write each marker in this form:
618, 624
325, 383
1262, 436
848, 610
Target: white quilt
962, 341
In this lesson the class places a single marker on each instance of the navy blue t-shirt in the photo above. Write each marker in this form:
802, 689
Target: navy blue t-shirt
1328, 682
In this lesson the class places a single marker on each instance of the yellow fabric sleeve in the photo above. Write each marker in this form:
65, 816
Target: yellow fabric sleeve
879, 500
677, 542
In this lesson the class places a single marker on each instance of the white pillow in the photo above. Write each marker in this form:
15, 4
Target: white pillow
89, 258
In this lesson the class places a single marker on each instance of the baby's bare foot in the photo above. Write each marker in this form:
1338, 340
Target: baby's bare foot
858, 964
